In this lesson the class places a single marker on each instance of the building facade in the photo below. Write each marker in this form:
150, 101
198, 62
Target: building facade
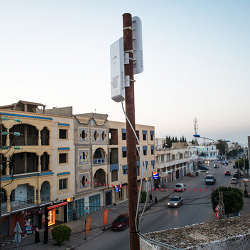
175, 162
32, 173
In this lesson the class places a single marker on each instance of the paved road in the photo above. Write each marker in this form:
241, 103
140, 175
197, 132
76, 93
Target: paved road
196, 208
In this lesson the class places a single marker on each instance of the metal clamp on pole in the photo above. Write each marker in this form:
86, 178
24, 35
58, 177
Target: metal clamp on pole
127, 28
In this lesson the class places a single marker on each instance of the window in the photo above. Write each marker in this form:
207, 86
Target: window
83, 156
63, 157
63, 133
96, 135
83, 134
145, 150
144, 135
125, 171
151, 135
124, 153
63, 183
84, 181
152, 150
114, 175
123, 136
103, 135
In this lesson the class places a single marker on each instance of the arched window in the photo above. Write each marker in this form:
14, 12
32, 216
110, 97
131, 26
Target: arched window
44, 162
44, 136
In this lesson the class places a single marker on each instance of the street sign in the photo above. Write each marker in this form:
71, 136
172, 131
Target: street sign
155, 175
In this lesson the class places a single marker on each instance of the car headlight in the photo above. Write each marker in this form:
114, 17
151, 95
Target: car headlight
169, 203
175, 204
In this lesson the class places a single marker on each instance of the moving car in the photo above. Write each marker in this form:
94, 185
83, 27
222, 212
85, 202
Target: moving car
234, 180
227, 173
203, 168
175, 201
210, 179
120, 223
179, 187
237, 175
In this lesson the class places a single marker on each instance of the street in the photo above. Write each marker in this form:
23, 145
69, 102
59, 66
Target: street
196, 209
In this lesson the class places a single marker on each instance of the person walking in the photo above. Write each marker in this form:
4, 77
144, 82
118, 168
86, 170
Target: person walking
37, 235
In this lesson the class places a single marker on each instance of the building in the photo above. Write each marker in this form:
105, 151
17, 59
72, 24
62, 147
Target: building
207, 152
70, 165
101, 161
175, 162
38, 165
118, 157
92, 163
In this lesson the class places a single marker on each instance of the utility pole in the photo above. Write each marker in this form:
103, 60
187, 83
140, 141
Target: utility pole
131, 141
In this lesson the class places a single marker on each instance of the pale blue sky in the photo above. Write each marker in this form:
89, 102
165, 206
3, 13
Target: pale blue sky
196, 60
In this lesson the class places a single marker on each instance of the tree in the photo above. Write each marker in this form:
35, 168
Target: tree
222, 147
61, 233
232, 199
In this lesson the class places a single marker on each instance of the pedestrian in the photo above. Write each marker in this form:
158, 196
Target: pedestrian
37, 235
151, 198
156, 200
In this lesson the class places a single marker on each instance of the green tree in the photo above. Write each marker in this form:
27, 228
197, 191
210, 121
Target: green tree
222, 147
61, 233
232, 199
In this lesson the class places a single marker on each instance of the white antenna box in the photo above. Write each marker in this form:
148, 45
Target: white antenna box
117, 71
137, 44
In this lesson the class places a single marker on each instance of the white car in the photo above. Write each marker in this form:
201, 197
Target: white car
234, 181
180, 187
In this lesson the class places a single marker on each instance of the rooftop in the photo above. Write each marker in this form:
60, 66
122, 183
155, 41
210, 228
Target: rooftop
204, 233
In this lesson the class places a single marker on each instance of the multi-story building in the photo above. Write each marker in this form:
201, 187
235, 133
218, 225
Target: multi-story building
118, 157
101, 161
38, 164
68, 164
175, 162
92, 162
207, 152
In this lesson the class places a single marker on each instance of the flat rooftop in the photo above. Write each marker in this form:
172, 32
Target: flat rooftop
204, 233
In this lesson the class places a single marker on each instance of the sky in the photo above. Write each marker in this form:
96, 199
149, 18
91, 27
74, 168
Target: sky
196, 61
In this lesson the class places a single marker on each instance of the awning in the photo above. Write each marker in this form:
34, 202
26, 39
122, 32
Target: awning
124, 149
57, 205
144, 132
123, 130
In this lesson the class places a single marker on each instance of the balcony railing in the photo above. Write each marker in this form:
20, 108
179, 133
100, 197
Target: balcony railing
99, 161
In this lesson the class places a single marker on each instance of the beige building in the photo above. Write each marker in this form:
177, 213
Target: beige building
118, 174
101, 161
38, 163
175, 162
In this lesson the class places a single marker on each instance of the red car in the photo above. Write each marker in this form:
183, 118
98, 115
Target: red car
227, 173
120, 223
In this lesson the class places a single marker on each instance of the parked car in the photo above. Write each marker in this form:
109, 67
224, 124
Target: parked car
175, 201
120, 223
210, 179
179, 187
203, 168
234, 180
227, 173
